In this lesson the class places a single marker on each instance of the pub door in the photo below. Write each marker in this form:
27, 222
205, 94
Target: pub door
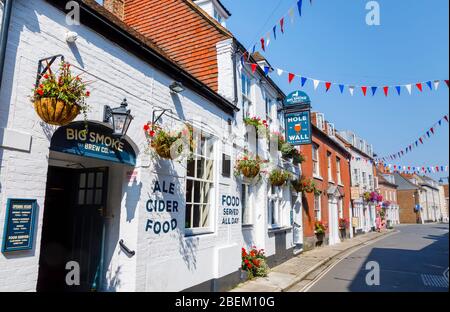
72, 234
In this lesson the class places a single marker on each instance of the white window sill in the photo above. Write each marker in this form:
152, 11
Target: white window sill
317, 177
332, 182
199, 231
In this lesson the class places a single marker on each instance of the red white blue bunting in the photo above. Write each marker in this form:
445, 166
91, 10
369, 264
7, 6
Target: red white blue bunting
415, 169
417, 143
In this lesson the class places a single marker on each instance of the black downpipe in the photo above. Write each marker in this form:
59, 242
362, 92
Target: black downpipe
7, 10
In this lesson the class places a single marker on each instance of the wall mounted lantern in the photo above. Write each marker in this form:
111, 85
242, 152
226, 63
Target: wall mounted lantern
120, 118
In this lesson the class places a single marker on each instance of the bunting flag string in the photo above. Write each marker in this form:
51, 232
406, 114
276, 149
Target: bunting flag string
433, 84
415, 169
279, 28
420, 141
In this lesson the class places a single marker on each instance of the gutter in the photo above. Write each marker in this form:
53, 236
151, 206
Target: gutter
94, 19
7, 10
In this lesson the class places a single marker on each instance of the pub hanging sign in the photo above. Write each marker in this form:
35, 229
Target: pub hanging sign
297, 115
19, 225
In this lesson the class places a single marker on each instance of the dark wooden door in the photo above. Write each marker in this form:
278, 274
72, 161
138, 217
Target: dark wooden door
87, 226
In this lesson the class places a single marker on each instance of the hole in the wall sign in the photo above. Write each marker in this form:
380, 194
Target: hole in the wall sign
162, 190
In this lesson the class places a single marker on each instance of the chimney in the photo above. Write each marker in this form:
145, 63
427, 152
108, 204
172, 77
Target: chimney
116, 7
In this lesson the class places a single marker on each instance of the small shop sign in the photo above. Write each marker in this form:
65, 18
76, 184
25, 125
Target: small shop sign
98, 141
297, 115
19, 225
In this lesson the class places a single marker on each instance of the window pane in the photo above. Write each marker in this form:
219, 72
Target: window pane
98, 197
90, 183
191, 168
89, 197
205, 192
83, 180
188, 216
196, 191
200, 167
99, 180
189, 191
226, 166
196, 217
80, 197
205, 216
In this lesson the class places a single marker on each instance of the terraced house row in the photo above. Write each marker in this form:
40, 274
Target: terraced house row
105, 190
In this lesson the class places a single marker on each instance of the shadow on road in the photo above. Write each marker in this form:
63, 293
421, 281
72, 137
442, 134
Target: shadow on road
408, 270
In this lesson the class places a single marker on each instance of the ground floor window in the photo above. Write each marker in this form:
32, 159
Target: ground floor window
246, 203
275, 207
317, 208
200, 184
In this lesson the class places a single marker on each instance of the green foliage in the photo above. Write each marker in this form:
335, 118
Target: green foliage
64, 86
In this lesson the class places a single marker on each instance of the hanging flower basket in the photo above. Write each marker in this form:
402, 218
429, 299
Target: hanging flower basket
56, 112
279, 177
59, 99
162, 141
305, 185
248, 166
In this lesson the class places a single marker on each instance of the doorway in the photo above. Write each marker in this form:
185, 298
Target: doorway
72, 229
333, 221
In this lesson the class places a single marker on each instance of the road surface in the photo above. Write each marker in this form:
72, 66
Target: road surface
413, 260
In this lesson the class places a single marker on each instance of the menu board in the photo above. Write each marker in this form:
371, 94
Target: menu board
19, 225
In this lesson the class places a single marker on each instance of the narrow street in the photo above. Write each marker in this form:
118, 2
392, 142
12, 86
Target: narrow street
415, 259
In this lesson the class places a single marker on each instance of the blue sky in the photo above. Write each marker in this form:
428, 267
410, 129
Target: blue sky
333, 42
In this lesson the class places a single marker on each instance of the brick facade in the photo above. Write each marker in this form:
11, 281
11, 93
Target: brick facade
326, 145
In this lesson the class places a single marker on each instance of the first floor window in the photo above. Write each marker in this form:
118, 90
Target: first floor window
275, 211
246, 204
317, 208
200, 183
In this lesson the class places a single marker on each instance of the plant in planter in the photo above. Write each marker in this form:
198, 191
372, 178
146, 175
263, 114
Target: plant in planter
59, 99
254, 262
306, 185
261, 126
343, 224
320, 228
279, 177
162, 141
373, 197
248, 166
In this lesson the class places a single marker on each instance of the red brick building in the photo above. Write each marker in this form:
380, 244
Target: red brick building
327, 163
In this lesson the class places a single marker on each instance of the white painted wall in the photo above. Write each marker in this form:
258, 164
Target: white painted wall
37, 31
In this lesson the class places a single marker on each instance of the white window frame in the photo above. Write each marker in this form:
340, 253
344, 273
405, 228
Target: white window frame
209, 228
356, 177
268, 102
247, 205
338, 171
246, 94
275, 211
320, 118
317, 208
331, 130
316, 160
329, 166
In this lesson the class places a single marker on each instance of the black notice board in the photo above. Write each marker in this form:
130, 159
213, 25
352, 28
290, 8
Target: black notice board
19, 225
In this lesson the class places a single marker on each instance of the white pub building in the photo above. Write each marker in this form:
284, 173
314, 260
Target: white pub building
93, 193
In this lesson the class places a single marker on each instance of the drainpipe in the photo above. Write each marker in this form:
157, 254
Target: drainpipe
7, 9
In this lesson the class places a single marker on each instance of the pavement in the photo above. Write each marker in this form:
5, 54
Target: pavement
416, 259
292, 272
